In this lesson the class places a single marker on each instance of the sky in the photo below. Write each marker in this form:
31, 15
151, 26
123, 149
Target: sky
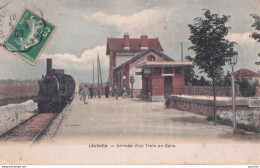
83, 26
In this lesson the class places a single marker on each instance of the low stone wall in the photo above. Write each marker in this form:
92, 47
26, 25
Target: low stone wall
203, 107
245, 114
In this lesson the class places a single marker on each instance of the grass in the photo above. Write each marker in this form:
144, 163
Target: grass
4, 102
239, 125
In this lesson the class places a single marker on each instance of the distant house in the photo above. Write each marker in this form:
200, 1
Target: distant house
246, 73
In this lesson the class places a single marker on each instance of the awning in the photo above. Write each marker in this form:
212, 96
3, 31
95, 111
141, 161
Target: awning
145, 65
167, 74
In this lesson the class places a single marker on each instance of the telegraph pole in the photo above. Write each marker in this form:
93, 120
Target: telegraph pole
100, 74
98, 87
181, 51
93, 75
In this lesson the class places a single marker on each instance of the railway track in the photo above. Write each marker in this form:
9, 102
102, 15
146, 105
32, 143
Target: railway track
30, 130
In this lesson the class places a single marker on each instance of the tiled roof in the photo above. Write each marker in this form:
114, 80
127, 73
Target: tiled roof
135, 44
245, 73
142, 54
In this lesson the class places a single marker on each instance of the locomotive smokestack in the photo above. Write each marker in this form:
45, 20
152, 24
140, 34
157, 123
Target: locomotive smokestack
49, 66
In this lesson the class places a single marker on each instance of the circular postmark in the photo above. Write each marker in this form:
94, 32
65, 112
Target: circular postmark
7, 20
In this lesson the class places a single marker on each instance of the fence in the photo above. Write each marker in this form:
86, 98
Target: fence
18, 90
208, 91
257, 91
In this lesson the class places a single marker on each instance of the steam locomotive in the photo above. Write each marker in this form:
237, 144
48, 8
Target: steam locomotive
56, 89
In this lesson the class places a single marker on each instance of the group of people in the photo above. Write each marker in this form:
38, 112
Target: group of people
114, 92
85, 92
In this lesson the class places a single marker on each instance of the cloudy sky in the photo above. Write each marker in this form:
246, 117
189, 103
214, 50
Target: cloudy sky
83, 26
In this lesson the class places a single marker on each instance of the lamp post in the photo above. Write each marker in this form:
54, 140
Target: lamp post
124, 87
124, 78
232, 60
132, 80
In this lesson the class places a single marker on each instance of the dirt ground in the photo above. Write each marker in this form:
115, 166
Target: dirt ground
130, 131
134, 118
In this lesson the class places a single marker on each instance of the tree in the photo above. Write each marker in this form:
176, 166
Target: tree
247, 88
223, 82
256, 35
189, 75
191, 79
256, 25
210, 46
203, 81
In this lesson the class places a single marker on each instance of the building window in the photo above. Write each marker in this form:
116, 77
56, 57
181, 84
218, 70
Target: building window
168, 70
147, 71
157, 70
178, 70
151, 58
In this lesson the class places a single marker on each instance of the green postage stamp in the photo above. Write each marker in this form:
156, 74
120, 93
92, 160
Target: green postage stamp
29, 37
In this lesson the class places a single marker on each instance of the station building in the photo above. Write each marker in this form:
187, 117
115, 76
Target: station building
132, 57
162, 78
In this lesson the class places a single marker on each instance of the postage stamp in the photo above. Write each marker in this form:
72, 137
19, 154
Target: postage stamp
29, 37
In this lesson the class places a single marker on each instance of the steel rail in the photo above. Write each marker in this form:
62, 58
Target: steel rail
18, 125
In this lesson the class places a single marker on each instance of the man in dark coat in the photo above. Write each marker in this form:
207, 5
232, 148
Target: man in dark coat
107, 91
91, 92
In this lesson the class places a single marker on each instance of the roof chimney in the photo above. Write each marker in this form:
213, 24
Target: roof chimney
144, 41
126, 41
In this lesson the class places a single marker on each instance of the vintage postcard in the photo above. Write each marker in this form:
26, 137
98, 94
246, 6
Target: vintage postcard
144, 82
